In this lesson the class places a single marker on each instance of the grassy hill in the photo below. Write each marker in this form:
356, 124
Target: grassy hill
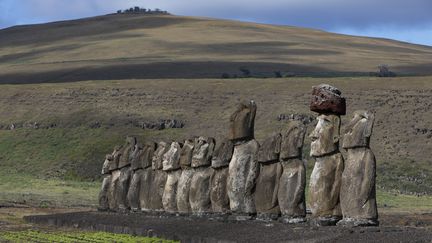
72, 90
131, 46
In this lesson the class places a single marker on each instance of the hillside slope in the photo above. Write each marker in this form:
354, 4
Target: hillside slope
128, 46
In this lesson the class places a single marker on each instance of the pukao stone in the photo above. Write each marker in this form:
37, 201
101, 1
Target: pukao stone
267, 184
183, 205
327, 99
199, 193
218, 187
242, 122
358, 196
326, 176
292, 184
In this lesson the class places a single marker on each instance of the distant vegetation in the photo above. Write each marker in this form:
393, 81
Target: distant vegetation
142, 11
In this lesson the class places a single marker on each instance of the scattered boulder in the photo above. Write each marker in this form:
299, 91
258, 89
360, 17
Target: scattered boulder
327, 99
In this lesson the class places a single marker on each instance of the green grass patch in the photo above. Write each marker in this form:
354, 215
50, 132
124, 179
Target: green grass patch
73, 237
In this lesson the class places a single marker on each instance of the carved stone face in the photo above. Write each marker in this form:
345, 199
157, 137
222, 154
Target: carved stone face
107, 163
325, 136
116, 158
292, 140
242, 121
186, 153
359, 130
203, 151
162, 148
223, 154
171, 159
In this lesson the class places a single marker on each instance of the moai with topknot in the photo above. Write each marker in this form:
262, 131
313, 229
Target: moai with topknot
171, 165
218, 189
326, 176
125, 173
113, 200
135, 182
157, 186
267, 185
292, 183
145, 193
106, 174
243, 167
199, 194
358, 196
183, 205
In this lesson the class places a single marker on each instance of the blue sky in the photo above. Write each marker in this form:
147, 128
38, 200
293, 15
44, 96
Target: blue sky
403, 20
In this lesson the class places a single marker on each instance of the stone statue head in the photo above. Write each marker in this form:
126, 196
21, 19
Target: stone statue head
162, 148
147, 154
270, 149
203, 151
128, 148
186, 153
116, 154
171, 159
135, 155
222, 154
325, 136
107, 164
327, 99
242, 121
359, 130
292, 140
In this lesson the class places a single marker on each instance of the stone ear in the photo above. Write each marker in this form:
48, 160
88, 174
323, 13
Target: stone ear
336, 129
369, 125
278, 144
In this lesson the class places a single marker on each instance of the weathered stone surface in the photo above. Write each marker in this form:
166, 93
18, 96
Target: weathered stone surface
127, 151
199, 194
292, 140
146, 156
186, 153
157, 160
134, 190
134, 157
327, 99
116, 158
291, 193
270, 149
358, 196
107, 163
359, 130
325, 185
242, 121
104, 193
218, 190
157, 190
123, 187
169, 198
267, 186
171, 159
325, 136
183, 205
112, 190
203, 151
145, 194
222, 154
243, 171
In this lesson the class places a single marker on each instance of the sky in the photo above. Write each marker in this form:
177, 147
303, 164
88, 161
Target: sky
404, 20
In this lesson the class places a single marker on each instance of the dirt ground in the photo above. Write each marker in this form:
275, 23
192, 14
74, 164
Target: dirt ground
394, 227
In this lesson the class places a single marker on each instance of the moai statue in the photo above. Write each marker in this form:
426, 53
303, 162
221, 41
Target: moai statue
106, 174
326, 176
358, 199
171, 165
199, 194
292, 183
115, 176
218, 186
145, 160
243, 167
267, 185
159, 177
125, 173
135, 182
183, 205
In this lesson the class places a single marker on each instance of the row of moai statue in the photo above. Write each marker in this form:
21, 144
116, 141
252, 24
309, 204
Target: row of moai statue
243, 179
